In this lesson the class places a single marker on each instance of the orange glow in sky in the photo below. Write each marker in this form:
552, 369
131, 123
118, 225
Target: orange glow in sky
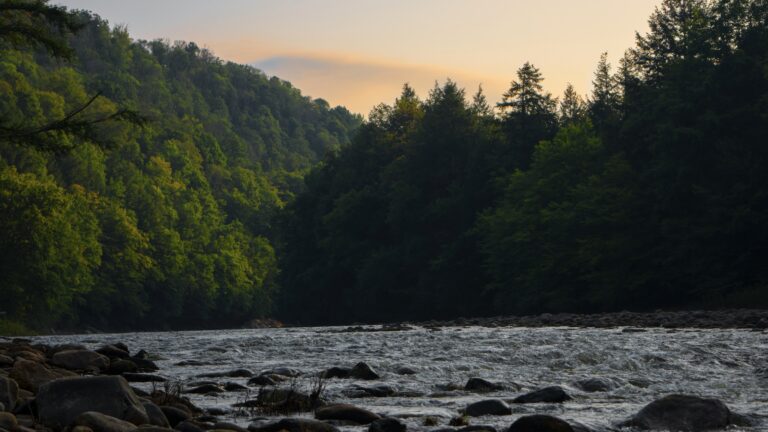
359, 53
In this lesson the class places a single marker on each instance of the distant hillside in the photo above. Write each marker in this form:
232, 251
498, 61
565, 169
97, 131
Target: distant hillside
163, 226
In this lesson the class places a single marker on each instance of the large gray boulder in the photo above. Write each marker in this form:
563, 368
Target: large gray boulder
80, 360
99, 422
30, 375
682, 413
61, 401
293, 425
9, 392
540, 423
553, 394
488, 407
346, 412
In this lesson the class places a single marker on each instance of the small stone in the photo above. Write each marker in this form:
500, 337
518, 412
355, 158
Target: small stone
540, 423
488, 407
364, 372
553, 394
387, 424
346, 412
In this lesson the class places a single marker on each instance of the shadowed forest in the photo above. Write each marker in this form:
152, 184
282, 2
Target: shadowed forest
149, 185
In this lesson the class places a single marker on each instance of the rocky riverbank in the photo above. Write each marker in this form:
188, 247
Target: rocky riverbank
756, 319
71, 388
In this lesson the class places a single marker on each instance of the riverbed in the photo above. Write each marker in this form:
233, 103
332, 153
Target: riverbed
644, 364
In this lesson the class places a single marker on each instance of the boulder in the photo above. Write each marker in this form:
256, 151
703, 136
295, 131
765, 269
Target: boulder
232, 387
547, 394
336, 372
405, 370
119, 366
478, 428
262, 380
682, 413
174, 415
5, 361
31, 375
99, 422
378, 390
481, 385
363, 371
236, 373
346, 412
9, 392
282, 371
142, 377
387, 424
592, 385
61, 401
80, 360
206, 389
540, 423
488, 407
226, 426
8, 421
293, 425
113, 351
144, 365
156, 415
188, 426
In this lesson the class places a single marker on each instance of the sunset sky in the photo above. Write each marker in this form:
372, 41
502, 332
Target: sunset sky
358, 53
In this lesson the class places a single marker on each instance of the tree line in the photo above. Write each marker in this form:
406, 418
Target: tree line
651, 192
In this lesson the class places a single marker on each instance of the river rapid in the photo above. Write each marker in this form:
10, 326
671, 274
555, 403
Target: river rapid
730, 365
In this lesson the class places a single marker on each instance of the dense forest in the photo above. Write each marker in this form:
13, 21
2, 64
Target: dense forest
152, 185
164, 222
652, 192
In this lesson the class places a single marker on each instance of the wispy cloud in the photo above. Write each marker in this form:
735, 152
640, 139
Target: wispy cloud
360, 85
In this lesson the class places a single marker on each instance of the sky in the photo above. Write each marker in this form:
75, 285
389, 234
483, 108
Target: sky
359, 53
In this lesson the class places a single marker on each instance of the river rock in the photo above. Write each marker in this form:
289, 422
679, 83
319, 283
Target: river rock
9, 392
142, 377
346, 412
226, 426
364, 372
592, 385
80, 360
481, 385
189, 426
8, 421
293, 425
233, 387
61, 401
119, 366
206, 389
682, 413
405, 370
378, 390
156, 415
477, 428
546, 394
99, 422
282, 371
540, 423
113, 351
144, 365
387, 424
488, 407
5, 361
174, 415
337, 372
31, 375
262, 380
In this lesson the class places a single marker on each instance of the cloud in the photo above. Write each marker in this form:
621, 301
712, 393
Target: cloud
361, 85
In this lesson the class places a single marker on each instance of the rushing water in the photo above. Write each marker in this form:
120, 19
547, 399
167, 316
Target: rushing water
731, 365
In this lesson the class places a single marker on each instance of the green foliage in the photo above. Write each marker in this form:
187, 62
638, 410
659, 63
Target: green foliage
164, 226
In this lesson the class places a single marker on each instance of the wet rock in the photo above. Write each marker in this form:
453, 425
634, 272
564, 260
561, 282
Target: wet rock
232, 387
31, 375
113, 351
488, 407
61, 401
188, 426
80, 360
346, 412
553, 394
142, 377
144, 365
478, 428
481, 385
378, 390
174, 415
236, 373
99, 422
682, 413
293, 425
156, 415
216, 411
222, 426
150, 428
540, 423
364, 372
337, 372
592, 385
8, 421
262, 380
405, 370
459, 421
285, 398
5, 361
206, 389
9, 392
387, 424
120, 366
282, 371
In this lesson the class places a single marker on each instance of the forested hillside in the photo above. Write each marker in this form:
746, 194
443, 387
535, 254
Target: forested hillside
651, 193
160, 222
